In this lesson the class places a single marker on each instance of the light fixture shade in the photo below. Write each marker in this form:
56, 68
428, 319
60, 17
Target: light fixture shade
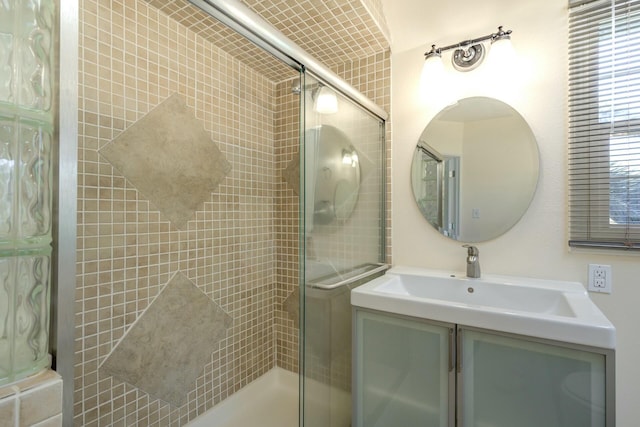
326, 101
433, 66
432, 72
502, 52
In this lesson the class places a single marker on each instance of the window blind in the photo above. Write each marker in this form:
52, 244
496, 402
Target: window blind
604, 123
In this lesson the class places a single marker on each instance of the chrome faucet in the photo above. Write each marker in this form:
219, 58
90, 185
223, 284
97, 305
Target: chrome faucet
473, 261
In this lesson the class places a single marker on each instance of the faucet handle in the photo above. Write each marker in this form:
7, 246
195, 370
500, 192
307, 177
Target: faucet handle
471, 250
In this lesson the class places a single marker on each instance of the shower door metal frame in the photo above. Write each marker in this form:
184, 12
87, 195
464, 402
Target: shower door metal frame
240, 18
62, 330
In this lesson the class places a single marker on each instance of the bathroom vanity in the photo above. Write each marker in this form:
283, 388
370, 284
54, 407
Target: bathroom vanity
436, 349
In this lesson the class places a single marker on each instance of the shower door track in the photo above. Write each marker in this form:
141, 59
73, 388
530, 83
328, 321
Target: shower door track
249, 24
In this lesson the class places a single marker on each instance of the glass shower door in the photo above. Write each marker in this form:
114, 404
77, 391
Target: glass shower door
342, 240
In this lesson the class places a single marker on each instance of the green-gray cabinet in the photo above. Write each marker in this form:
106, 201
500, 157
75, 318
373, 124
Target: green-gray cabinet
411, 372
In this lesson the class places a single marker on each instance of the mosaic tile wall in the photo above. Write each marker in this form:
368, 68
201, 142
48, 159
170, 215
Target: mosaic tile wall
192, 18
132, 57
375, 9
287, 135
333, 32
240, 248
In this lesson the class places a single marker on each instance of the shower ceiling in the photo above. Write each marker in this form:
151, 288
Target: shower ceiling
334, 32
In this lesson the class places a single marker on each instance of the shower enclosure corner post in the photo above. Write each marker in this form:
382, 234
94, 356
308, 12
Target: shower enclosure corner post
65, 204
384, 255
302, 249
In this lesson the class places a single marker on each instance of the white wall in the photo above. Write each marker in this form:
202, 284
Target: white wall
496, 177
536, 86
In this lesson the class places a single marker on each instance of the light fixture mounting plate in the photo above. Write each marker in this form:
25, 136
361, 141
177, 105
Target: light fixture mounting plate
468, 58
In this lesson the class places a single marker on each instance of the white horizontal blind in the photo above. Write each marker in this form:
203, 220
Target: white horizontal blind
604, 123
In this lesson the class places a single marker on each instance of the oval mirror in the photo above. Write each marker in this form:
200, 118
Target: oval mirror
475, 169
335, 175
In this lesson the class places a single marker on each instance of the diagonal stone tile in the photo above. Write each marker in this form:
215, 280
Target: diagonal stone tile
291, 306
169, 157
166, 349
291, 174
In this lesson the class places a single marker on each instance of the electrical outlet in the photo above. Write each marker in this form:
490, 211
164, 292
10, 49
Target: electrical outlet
600, 278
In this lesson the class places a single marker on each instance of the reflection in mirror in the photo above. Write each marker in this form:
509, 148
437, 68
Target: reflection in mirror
475, 169
335, 172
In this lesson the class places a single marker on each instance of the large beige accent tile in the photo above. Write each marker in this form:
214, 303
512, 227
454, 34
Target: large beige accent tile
8, 411
169, 157
291, 174
41, 403
291, 306
166, 349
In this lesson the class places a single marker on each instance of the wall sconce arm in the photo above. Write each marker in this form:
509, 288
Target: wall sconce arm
469, 53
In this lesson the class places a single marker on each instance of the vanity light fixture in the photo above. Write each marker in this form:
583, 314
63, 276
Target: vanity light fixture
468, 54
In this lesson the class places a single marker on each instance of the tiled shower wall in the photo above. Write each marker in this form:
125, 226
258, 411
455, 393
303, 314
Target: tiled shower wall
241, 247
287, 135
131, 59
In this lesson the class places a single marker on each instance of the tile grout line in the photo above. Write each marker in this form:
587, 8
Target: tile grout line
16, 406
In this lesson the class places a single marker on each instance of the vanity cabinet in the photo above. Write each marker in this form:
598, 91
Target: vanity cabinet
403, 371
414, 372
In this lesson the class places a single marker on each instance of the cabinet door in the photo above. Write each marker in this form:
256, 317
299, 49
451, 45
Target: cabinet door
403, 373
506, 382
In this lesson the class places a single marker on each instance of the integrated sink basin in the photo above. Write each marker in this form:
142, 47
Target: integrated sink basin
549, 309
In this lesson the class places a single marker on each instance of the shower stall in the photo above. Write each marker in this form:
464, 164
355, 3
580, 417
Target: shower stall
334, 187
231, 193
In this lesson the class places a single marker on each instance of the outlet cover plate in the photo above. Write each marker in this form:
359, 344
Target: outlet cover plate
600, 278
